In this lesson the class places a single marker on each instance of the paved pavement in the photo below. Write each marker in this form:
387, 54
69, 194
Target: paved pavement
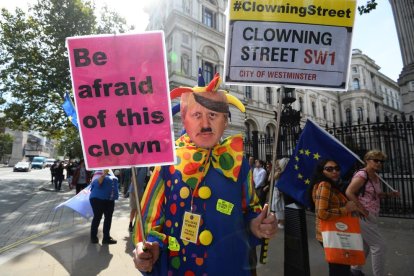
36, 240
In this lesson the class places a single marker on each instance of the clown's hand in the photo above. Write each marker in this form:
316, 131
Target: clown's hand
145, 257
264, 226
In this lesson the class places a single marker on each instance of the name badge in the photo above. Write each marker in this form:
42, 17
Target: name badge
190, 226
224, 207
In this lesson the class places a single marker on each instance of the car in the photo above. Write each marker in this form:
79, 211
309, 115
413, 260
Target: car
22, 167
49, 162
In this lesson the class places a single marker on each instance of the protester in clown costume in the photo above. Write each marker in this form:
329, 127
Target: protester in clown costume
201, 216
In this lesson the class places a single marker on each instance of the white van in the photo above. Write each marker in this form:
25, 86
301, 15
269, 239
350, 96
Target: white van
49, 162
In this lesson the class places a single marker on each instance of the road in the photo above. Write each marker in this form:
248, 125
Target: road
19, 187
27, 207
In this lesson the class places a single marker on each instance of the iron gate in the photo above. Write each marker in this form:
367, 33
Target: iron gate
394, 137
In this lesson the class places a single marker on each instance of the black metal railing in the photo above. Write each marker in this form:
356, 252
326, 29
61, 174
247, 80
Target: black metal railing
394, 137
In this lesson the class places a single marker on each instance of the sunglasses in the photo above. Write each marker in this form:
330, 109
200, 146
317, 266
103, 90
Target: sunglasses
378, 161
331, 168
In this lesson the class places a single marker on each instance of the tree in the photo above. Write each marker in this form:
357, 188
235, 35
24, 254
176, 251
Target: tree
6, 145
6, 140
371, 5
70, 144
34, 65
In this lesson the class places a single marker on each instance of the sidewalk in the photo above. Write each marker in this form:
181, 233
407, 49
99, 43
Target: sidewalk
57, 243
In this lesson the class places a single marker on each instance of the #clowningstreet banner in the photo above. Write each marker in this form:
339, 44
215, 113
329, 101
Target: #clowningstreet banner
305, 43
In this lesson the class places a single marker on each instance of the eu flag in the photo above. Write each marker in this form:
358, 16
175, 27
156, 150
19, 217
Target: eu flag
315, 144
70, 110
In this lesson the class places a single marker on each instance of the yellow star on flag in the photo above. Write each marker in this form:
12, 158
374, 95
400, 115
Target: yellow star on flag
301, 151
297, 159
307, 181
296, 167
307, 152
300, 176
316, 156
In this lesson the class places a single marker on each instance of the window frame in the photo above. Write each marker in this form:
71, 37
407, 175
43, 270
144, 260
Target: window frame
208, 17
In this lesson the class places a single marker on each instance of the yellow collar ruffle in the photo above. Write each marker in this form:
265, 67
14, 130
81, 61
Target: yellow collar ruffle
194, 162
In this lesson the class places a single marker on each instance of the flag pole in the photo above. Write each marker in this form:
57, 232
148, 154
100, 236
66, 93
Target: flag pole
265, 242
138, 216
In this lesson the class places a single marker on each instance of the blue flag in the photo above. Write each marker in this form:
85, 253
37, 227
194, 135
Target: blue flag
70, 110
79, 203
315, 144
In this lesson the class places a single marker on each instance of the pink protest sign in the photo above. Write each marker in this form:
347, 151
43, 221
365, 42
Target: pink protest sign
121, 93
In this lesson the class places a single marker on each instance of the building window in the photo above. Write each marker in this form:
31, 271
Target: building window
268, 95
313, 109
348, 116
334, 115
355, 84
324, 112
208, 17
411, 86
300, 104
248, 92
269, 132
185, 65
187, 6
377, 109
186, 39
208, 71
354, 69
360, 114
248, 131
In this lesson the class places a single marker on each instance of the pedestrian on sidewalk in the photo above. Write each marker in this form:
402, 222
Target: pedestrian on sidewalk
259, 178
126, 181
329, 203
278, 202
70, 170
52, 171
58, 174
365, 190
81, 177
141, 174
104, 192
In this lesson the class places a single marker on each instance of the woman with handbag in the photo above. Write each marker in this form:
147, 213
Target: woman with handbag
330, 203
365, 190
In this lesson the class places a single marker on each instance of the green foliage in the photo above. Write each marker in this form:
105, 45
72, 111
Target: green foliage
34, 65
6, 144
112, 23
371, 5
70, 144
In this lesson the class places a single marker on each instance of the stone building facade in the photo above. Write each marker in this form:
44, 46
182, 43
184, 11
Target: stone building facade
403, 11
195, 35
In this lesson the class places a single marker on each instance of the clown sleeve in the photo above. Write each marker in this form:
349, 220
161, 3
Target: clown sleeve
152, 210
250, 202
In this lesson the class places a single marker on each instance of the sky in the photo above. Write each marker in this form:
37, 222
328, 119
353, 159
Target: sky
374, 33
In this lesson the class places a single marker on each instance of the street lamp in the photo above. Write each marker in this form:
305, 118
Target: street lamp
290, 116
296, 241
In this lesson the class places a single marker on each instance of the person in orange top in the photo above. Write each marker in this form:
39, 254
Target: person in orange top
329, 202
